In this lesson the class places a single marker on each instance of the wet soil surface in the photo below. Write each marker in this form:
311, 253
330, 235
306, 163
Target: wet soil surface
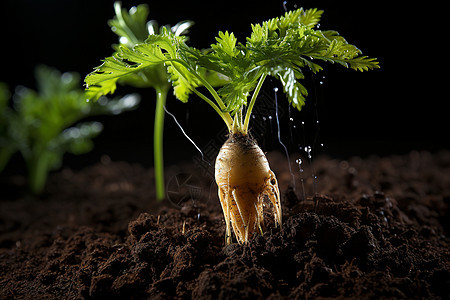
364, 228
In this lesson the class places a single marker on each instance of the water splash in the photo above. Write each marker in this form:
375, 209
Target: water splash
300, 169
308, 150
279, 137
304, 129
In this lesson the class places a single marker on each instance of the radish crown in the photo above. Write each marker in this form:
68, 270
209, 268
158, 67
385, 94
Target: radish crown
232, 71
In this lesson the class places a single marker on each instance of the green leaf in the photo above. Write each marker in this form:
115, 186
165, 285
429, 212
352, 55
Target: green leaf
52, 82
77, 139
226, 44
138, 60
282, 47
310, 17
39, 124
293, 89
98, 88
287, 44
115, 106
132, 27
103, 80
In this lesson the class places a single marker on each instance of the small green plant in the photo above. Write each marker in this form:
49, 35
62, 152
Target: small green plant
39, 124
133, 29
281, 48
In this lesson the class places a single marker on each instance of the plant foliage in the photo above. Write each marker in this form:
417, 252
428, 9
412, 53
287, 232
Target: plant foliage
43, 125
133, 29
280, 47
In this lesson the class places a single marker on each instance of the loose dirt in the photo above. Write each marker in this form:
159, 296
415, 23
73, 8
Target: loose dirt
365, 228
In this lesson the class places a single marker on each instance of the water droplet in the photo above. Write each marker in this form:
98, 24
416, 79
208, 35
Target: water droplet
123, 40
275, 89
133, 10
291, 119
279, 137
270, 117
303, 123
299, 162
308, 150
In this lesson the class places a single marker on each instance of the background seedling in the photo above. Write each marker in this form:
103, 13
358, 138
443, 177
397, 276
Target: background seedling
43, 125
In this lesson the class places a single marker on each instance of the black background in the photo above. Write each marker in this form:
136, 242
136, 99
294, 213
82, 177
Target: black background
395, 109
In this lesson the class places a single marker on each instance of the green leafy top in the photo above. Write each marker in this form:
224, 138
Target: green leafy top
133, 29
280, 47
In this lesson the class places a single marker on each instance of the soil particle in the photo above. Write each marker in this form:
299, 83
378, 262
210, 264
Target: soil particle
377, 229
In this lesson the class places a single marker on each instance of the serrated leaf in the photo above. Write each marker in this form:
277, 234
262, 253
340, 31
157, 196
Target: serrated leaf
310, 17
226, 44
126, 62
183, 82
281, 47
287, 44
363, 63
139, 58
293, 89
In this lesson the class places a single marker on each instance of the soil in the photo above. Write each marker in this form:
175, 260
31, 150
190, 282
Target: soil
359, 228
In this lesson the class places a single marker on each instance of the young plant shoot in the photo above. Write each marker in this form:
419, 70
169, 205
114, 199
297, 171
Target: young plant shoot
39, 125
281, 48
133, 29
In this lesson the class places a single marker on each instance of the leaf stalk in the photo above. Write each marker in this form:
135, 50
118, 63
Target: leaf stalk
252, 103
158, 142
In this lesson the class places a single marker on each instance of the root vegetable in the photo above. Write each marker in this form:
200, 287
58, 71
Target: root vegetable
244, 179
231, 72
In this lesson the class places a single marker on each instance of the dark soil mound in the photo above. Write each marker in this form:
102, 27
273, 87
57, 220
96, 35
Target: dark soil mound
375, 228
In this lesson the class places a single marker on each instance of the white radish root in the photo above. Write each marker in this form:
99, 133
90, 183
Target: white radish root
244, 178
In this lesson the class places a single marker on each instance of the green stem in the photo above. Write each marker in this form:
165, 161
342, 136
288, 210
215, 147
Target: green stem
161, 96
220, 110
37, 173
252, 103
225, 116
237, 122
205, 83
